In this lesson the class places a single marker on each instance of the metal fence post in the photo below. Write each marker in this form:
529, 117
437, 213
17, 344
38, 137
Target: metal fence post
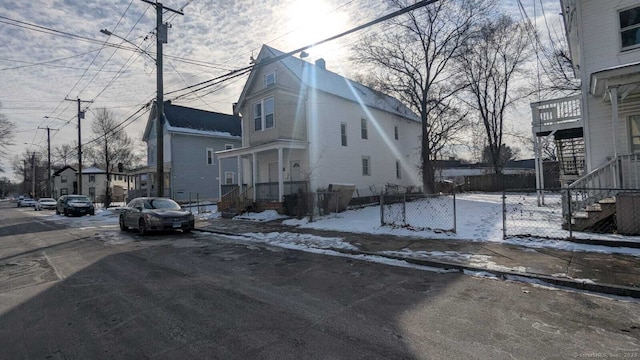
404, 208
381, 209
455, 224
569, 212
504, 214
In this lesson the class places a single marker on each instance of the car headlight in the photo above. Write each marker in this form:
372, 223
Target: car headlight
152, 219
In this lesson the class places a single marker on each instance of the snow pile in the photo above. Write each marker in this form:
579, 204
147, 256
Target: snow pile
267, 215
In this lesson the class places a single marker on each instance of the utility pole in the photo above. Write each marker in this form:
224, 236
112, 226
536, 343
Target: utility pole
33, 175
161, 38
80, 116
48, 160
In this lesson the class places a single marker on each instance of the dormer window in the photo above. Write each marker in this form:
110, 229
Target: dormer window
270, 79
630, 28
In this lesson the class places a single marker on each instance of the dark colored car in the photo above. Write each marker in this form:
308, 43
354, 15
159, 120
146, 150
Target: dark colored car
155, 214
74, 205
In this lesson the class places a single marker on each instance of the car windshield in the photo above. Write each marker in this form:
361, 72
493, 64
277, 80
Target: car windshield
161, 204
47, 200
78, 199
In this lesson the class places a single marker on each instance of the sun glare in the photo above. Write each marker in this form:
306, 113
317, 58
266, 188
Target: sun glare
312, 21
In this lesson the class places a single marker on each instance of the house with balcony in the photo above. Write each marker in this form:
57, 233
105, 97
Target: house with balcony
191, 138
597, 132
308, 128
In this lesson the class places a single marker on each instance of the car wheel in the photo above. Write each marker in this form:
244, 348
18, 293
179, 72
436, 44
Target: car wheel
66, 213
57, 212
142, 227
123, 227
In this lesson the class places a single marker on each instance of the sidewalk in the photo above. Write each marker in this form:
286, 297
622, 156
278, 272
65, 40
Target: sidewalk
599, 272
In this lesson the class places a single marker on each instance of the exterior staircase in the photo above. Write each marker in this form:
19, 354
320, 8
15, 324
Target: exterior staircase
593, 216
234, 202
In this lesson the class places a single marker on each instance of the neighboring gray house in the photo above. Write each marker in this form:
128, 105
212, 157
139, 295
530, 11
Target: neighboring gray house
191, 138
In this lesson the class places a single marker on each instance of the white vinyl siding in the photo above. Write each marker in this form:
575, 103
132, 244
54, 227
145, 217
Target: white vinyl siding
270, 79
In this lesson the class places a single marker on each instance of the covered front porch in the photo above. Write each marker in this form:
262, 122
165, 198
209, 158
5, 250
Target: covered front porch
266, 173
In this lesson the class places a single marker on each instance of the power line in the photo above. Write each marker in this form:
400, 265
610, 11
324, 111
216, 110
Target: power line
265, 62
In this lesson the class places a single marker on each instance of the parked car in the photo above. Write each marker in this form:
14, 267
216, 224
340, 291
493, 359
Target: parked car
74, 205
26, 202
45, 203
154, 214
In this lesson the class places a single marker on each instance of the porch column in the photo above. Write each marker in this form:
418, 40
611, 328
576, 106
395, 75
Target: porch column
613, 92
254, 173
280, 176
220, 178
240, 173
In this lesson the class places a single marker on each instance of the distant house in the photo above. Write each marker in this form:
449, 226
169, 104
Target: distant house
64, 182
94, 183
305, 127
191, 139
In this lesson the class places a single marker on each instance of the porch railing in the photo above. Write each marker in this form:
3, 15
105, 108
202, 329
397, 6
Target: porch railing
620, 173
235, 198
269, 191
557, 113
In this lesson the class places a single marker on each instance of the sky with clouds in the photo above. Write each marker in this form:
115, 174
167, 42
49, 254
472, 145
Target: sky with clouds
54, 50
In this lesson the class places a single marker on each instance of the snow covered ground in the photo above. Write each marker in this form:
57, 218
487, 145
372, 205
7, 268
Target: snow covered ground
479, 218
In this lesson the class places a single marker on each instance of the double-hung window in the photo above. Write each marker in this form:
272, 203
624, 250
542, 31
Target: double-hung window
209, 156
630, 28
363, 128
63, 179
264, 114
257, 116
92, 178
343, 134
366, 166
634, 132
270, 79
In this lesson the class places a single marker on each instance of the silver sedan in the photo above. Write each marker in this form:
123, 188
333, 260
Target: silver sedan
155, 214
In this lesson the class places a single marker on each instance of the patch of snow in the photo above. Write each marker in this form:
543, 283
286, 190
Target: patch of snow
267, 215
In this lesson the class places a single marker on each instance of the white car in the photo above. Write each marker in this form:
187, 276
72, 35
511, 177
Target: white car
26, 202
45, 203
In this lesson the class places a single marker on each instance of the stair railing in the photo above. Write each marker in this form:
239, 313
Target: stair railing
228, 200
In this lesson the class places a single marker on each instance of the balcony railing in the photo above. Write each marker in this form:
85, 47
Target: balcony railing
269, 191
557, 114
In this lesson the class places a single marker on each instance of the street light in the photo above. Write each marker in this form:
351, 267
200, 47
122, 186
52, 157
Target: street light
109, 33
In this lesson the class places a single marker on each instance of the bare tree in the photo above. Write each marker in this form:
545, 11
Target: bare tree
65, 154
492, 64
6, 134
32, 168
112, 146
411, 60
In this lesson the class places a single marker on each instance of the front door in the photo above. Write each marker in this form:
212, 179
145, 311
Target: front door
296, 175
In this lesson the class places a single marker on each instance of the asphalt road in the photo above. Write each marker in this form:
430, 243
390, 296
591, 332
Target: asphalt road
97, 293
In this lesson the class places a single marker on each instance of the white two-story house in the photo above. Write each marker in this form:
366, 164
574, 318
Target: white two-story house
597, 132
306, 127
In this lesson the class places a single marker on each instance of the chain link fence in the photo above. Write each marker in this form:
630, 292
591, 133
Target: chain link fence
569, 213
435, 212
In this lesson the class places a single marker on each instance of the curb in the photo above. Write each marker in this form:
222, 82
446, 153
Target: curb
610, 289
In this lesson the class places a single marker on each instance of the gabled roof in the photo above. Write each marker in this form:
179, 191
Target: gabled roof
195, 121
57, 172
93, 170
319, 78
